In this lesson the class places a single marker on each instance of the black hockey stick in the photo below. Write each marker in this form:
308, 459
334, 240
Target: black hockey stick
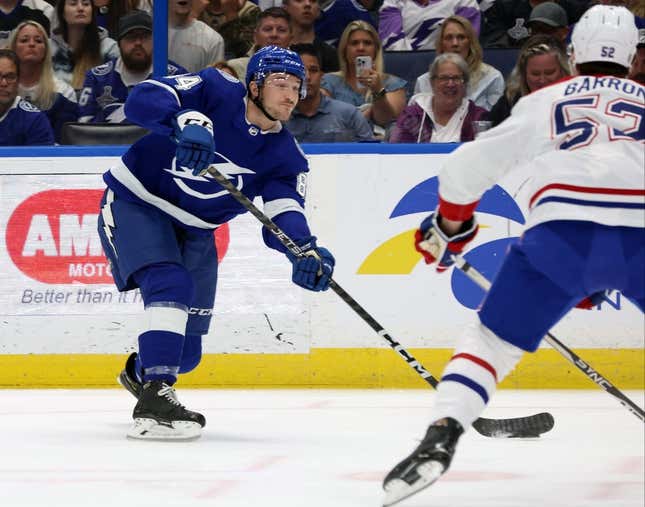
520, 427
571, 356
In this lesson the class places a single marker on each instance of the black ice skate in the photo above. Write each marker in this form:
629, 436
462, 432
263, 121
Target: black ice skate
158, 415
128, 378
426, 464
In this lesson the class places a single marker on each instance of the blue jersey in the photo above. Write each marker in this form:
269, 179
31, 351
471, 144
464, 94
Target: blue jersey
105, 89
63, 109
25, 125
336, 15
268, 164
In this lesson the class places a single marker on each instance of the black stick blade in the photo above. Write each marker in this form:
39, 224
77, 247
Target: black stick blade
531, 426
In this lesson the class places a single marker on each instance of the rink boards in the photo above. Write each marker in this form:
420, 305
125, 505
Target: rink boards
63, 324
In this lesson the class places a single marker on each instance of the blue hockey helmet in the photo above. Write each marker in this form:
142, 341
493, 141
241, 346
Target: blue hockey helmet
270, 59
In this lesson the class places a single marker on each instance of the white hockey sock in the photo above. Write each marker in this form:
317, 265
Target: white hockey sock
480, 361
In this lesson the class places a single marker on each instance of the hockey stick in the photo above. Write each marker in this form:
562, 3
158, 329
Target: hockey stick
520, 427
571, 356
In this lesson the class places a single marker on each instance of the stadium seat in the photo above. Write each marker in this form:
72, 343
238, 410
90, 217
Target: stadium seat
409, 65
101, 133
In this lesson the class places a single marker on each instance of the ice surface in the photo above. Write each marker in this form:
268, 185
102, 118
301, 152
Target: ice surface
311, 448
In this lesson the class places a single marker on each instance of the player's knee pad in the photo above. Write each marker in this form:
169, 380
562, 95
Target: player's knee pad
192, 353
165, 283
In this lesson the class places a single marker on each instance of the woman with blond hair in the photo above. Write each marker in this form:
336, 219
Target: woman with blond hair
78, 43
457, 35
37, 83
380, 96
541, 61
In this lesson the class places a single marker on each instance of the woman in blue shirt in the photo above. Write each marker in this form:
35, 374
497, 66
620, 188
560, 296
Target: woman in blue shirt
380, 96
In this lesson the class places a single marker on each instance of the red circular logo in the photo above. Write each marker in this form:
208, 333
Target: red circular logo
51, 237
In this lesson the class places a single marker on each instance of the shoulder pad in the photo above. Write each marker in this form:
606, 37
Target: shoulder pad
102, 70
28, 106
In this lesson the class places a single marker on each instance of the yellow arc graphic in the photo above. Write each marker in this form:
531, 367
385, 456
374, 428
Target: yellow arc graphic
396, 256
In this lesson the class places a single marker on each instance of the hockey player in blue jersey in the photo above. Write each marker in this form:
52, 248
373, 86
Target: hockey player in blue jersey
582, 141
161, 207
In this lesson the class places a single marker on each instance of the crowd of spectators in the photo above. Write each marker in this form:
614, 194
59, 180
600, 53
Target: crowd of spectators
70, 61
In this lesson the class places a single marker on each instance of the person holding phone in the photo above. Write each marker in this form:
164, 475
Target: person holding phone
361, 80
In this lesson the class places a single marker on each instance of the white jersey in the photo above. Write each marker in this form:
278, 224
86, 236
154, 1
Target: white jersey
195, 46
583, 141
406, 25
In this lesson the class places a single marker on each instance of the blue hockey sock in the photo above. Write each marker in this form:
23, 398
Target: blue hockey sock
160, 355
160, 347
192, 353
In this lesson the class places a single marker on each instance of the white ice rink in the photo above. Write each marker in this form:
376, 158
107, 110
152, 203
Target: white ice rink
311, 448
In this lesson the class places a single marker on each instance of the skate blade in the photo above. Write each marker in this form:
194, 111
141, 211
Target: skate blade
149, 429
397, 489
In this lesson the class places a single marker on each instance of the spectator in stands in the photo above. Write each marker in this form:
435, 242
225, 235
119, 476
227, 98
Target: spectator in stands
225, 67
107, 86
318, 118
337, 14
110, 11
406, 25
484, 5
21, 123
37, 83
78, 43
234, 20
549, 18
13, 12
380, 96
506, 22
486, 83
542, 61
303, 16
191, 43
637, 71
444, 116
273, 29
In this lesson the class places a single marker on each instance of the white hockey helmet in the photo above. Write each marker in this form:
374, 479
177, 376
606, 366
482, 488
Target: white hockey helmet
605, 34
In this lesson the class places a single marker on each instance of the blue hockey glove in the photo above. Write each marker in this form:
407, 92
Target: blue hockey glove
313, 270
194, 138
436, 246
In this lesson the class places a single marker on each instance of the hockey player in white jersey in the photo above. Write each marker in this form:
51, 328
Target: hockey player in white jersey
583, 141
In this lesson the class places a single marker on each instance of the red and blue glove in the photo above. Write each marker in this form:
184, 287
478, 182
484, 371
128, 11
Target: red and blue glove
313, 269
436, 246
194, 137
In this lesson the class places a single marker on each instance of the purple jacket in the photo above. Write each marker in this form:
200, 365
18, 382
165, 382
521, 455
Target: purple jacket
409, 121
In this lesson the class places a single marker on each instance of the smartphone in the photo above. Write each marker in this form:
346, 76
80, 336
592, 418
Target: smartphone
362, 63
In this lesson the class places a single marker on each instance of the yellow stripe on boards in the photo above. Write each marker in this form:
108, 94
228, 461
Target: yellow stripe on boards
334, 368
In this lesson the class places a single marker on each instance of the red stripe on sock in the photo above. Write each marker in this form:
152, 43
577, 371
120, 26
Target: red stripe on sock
477, 360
